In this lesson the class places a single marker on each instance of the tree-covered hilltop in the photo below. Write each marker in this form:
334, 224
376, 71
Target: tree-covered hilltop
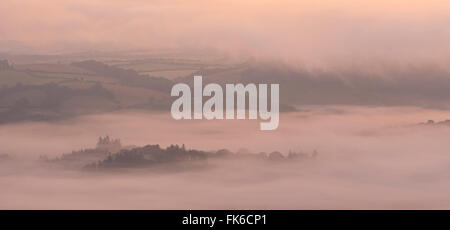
110, 153
152, 155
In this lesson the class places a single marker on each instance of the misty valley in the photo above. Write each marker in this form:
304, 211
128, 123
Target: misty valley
224, 113
95, 130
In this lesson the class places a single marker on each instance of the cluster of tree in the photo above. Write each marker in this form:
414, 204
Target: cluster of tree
273, 156
109, 153
149, 155
432, 122
110, 144
153, 154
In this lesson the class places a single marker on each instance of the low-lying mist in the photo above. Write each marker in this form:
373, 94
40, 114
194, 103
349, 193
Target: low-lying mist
368, 157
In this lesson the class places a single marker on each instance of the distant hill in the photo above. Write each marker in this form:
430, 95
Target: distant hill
126, 76
41, 90
415, 86
51, 101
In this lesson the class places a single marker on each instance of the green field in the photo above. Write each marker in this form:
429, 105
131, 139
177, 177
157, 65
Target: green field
11, 77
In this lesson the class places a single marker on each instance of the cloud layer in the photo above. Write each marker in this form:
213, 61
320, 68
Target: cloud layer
307, 31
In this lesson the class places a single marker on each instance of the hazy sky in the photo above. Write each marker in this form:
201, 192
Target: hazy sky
300, 30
